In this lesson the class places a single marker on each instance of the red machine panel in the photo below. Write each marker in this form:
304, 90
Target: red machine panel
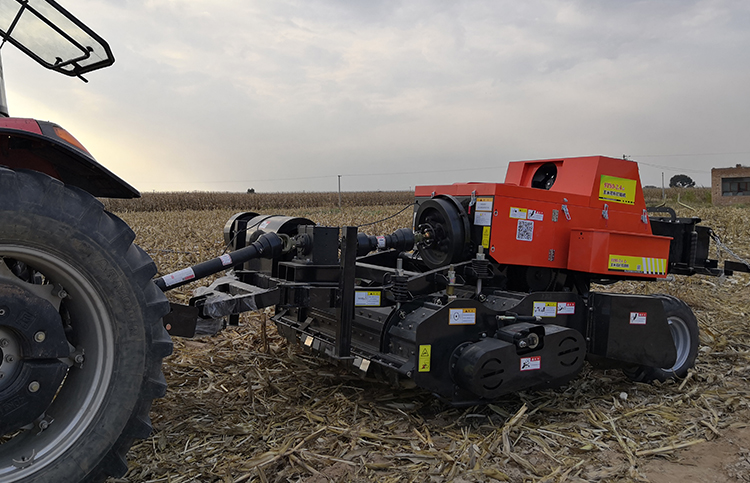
532, 219
606, 252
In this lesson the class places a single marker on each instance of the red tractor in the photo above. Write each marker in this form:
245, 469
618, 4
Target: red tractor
489, 292
81, 339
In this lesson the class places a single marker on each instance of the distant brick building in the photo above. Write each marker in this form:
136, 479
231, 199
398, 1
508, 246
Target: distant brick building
730, 186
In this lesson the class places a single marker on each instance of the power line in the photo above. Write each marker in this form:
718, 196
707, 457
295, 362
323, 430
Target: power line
353, 175
687, 154
672, 168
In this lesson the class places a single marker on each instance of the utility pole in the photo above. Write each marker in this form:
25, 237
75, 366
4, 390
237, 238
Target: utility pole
339, 192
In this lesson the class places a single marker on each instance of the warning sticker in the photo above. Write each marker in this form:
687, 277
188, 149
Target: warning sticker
649, 266
367, 299
637, 318
545, 309
263, 225
381, 241
462, 317
566, 308
178, 276
484, 204
535, 215
424, 358
619, 190
486, 237
519, 213
525, 230
483, 218
226, 259
531, 363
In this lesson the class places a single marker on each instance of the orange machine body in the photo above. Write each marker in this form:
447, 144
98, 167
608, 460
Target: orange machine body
591, 219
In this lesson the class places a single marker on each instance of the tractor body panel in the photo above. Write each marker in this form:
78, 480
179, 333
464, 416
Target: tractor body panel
48, 148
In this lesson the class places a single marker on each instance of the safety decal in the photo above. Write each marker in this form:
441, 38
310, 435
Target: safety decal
531, 363
226, 259
566, 308
367, 299
462, 317
484, 204
263, 225
535, 215
424, 358
619, 190
648, 266
486, 237
545, 309
178, 276
525, 230
637, 318
483, 218
519, 213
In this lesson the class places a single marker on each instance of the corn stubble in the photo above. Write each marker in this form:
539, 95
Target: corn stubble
237, 412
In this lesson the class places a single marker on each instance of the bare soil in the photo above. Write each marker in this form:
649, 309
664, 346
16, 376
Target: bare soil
723, 460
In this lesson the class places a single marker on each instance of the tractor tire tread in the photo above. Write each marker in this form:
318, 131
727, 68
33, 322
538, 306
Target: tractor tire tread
33, 192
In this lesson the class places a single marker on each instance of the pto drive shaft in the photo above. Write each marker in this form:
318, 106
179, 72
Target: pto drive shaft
268, 245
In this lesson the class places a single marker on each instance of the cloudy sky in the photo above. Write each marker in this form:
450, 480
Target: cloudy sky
287, 95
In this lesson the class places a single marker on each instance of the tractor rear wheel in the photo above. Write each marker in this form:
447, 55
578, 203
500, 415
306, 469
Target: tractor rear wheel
685, 334
71, 278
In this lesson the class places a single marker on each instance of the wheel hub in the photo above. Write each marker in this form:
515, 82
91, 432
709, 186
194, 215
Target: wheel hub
33, 341
10, 360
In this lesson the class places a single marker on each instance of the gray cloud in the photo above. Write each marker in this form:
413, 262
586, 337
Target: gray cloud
228, 95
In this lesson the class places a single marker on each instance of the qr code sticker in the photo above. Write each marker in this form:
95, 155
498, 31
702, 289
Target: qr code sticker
525, 231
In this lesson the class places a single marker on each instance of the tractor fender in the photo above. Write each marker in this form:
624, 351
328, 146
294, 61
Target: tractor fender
48, 148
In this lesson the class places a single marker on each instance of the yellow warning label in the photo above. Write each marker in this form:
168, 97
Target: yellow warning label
619, 190
650, 266
519, 213
367, 299
424, 358
486, 236
545, 309
484, 204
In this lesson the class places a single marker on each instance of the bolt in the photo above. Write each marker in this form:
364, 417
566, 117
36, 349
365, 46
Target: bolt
2, 312
78, 358
43, 424
34, 386
62, 293
40, 336
522, 344
4, 342
408, 374
9, 358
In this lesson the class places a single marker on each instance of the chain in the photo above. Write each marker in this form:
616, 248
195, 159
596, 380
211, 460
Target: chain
721, 246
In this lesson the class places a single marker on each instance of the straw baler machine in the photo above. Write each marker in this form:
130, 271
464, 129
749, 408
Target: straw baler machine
489, 293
